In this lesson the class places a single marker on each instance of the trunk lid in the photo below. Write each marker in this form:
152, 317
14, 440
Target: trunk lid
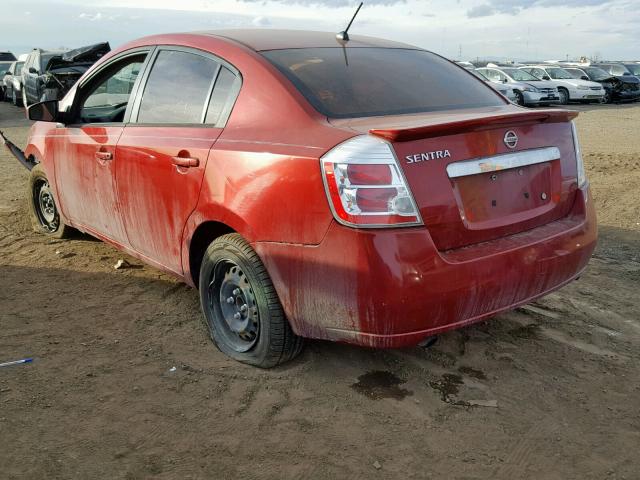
469, 185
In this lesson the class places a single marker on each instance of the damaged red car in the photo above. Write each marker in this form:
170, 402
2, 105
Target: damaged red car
355, 190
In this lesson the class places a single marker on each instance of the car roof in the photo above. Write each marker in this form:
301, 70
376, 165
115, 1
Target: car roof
272, 39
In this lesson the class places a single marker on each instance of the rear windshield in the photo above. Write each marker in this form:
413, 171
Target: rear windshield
361, 82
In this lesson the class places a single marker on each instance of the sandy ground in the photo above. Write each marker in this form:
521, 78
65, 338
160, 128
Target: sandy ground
559, 381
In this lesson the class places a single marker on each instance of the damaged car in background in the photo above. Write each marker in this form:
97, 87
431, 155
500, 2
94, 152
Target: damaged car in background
50, 74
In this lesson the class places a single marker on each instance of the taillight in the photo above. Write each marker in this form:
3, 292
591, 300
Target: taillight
365, 185
582, 177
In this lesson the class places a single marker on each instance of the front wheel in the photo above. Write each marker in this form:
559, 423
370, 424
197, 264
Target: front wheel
519, 98
44, 213
241, 307
17, 102
564, 96
606, 98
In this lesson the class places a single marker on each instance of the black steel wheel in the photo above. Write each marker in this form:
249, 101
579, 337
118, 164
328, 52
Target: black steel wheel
44, 213
232, 296
240, 305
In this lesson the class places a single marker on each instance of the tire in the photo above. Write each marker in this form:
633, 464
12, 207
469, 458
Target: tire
564, 96
25, 102
241, 307
519, 98
45, 217
17, 101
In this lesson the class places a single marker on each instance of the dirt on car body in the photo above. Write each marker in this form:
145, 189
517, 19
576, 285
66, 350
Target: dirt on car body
124, 383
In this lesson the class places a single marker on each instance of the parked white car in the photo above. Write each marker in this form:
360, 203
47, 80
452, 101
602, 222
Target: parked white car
569, 88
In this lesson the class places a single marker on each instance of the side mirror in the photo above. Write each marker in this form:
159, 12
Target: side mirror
584, 77
44, 111
546, 77
32, 70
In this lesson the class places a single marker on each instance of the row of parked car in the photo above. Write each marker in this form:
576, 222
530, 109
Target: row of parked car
45, 74
49, 74
548, 83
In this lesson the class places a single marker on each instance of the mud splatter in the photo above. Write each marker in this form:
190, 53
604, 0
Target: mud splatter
448, 387
472, 372
526, 331
380, 384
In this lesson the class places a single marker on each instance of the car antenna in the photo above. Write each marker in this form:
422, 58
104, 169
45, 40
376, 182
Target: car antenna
344, 35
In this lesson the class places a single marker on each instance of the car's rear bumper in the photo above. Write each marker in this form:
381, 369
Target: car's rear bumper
392, 288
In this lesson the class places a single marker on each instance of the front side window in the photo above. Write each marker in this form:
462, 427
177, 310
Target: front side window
575, 73
558, 74
177, 89
520, 75
360, 82
597, 74
619, 70
107, 99
635, 69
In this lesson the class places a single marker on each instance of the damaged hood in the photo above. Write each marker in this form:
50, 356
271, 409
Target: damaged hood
89, 54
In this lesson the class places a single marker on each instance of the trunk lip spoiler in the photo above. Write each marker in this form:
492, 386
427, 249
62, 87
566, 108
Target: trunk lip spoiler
506, 120
16, 152
503, 161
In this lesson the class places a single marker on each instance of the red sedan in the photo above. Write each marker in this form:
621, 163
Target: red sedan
359, 190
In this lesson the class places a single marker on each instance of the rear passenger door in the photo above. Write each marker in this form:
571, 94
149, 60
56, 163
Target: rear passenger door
186, 98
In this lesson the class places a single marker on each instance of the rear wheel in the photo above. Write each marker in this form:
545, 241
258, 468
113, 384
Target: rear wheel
241, 307
45, 217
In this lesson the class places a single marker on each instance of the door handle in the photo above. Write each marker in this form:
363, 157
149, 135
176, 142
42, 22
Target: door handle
185, 162
104, 156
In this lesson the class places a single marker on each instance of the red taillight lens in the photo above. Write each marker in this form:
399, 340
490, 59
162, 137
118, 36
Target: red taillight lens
372, 200
369, 174
365, 186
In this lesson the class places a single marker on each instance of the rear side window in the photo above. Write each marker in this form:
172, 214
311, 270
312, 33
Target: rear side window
177, 88
360, 82
224, 94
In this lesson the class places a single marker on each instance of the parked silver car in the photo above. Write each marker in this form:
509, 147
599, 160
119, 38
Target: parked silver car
12, 83
529, 90
504, 89
570, 89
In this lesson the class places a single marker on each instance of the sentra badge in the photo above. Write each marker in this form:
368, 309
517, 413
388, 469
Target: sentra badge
423, 157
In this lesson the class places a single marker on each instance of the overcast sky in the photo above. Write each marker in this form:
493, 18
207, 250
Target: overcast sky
466, 29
